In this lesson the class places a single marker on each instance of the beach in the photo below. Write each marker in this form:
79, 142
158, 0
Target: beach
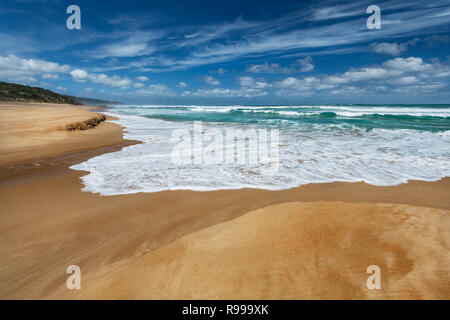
309, 242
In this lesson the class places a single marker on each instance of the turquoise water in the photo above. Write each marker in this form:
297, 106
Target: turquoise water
432, 118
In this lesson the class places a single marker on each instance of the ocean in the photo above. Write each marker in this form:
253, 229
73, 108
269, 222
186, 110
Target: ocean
381, 145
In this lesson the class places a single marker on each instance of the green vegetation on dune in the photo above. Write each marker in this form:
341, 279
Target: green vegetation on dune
18, 93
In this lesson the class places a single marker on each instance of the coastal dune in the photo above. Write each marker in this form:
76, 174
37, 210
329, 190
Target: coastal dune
315, 241
37, 131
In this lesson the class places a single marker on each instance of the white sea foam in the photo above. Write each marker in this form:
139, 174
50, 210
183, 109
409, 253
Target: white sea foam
313, 154
359, 111
344, 111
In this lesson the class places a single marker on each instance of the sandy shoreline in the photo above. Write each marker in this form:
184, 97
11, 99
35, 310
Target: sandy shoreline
47, 223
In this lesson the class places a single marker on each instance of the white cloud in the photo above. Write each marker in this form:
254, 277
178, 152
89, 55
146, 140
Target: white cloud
400, 75
226, 93
115, 81
405, 80
17, 69
60, 88
138, 85
292, 86
408, 64
142, 78
246, 81
50, 76
134, 46
250, 82
306, 64
250, 88
337, 11
182, 84
218, 71
156, 90
267, 68
364, 74
211, 81
128, 50
79, 75
394, 49
408, 73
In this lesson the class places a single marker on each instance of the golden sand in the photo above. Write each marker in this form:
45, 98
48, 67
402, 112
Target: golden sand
318, 250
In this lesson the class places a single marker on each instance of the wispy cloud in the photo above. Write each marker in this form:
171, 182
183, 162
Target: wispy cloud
187, 46
284, 35
134, 44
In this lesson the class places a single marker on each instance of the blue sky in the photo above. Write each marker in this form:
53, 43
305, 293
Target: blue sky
230, 52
